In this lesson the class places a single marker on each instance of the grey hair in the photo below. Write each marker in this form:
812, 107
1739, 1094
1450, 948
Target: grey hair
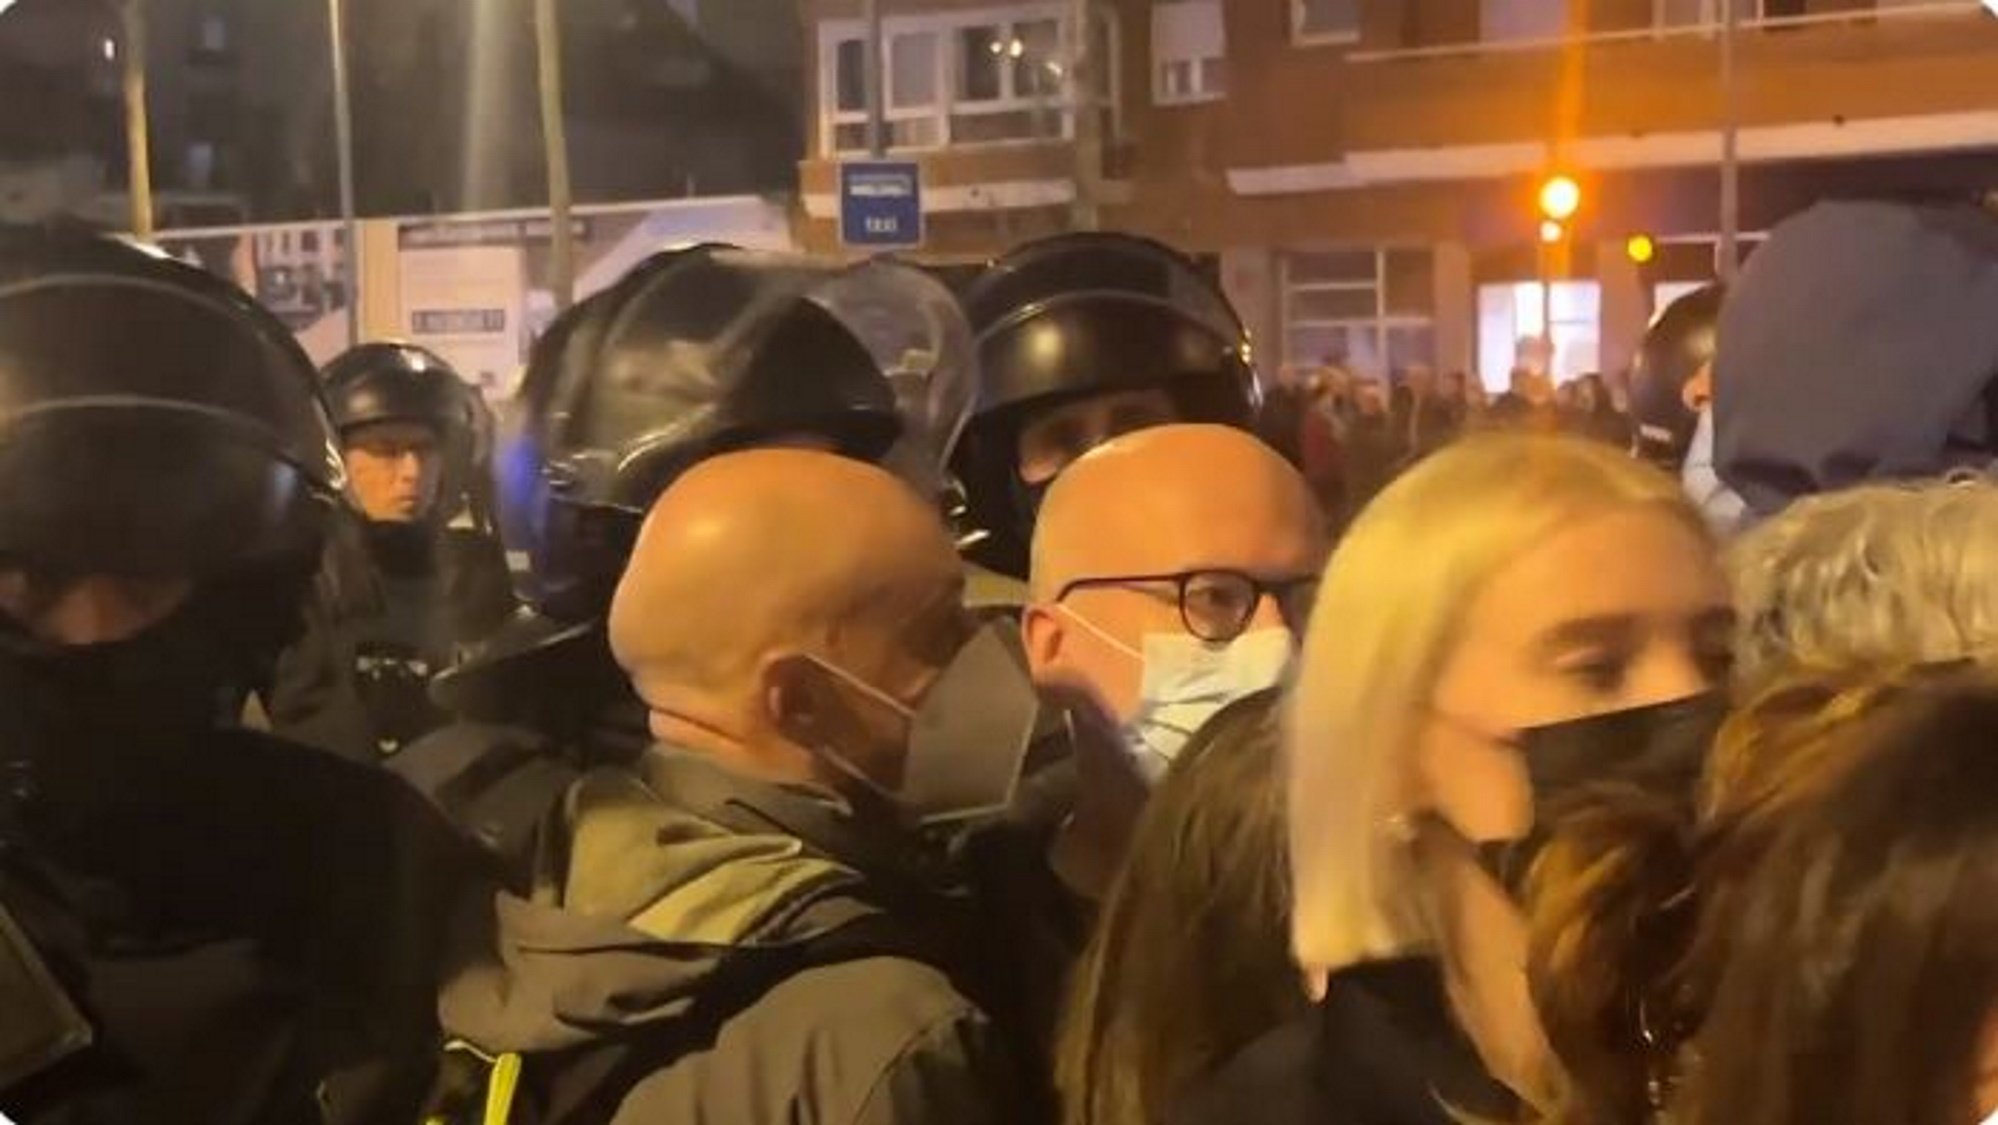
1881, 574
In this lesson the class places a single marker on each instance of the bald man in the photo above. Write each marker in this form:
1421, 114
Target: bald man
1172, 569
749, 900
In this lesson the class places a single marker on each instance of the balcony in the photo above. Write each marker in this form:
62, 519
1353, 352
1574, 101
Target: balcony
1642, 86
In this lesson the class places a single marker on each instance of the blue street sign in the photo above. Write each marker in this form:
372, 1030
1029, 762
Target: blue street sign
881, 204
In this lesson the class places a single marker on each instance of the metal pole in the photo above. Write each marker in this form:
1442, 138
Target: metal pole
877, 123
343, 140
1085, 215
138, 148
1730, 194
555, 136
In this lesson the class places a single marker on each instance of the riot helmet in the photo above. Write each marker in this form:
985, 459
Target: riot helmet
1083, 316
387, 382
694, 353
1678, 346
156, 428
154, 421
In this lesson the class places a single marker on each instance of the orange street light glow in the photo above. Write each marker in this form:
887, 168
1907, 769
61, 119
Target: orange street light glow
1560, 198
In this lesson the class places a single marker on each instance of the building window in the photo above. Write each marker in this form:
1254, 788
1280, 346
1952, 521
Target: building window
1371, 311
1523, 21
1189, 51
213, 36
1325, 21
962, 79
1511, 331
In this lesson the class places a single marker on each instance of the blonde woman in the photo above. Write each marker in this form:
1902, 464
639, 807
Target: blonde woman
1881, 574
1513, 617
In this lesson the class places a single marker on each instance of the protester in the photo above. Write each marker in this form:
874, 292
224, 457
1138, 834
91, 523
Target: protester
1190, 959
198, 923
1172, 570
1743, 959
1856, 982
1083, 337
1857, 345
745, 919
693, 353
1876, 575
404, 592
1515, 616
1593, 415
1374, 451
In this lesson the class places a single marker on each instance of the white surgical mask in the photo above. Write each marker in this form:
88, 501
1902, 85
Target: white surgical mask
1723, 508
1187, 681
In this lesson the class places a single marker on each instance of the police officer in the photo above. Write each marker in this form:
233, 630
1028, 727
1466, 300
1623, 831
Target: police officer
695, 352
405, 591
1671, 378
197, 923
1083, 337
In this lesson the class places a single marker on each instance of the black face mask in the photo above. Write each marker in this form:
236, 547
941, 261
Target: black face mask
189, 673
1659, 748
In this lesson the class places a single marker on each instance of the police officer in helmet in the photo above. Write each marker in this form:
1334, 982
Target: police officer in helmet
405, 591
1083, 337
1671, 378
197, 923
695, 352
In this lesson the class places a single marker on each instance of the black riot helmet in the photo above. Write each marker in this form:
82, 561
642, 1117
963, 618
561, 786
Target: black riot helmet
694, 353
396, 382
1078, 316
1678, 346
154, 421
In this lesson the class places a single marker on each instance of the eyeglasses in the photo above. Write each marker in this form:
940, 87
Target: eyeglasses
1217, 605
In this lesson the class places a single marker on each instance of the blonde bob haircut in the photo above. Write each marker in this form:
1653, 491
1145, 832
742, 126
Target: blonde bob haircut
1879, 575
1387, 619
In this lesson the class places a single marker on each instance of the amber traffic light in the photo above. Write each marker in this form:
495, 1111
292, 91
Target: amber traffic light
1641, 249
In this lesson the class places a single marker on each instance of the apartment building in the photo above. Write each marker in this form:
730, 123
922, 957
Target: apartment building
1365, 170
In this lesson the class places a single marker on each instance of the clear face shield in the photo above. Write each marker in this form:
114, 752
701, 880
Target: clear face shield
916, 331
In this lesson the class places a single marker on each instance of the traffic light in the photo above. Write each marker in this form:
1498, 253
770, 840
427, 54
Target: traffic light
1560, 197
1641, 249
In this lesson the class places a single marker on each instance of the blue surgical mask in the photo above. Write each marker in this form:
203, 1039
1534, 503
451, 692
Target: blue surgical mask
1187, 681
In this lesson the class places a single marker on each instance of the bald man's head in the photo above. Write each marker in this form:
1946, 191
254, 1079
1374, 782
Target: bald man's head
757, 568
1172, 500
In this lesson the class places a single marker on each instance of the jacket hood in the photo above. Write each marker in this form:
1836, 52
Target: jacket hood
655, 879
1859, 343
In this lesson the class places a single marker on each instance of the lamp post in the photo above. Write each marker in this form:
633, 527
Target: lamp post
343, 143
1730, 186
138, 146
555, 138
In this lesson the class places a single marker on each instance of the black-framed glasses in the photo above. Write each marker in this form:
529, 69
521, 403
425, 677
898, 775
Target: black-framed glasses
1216, 605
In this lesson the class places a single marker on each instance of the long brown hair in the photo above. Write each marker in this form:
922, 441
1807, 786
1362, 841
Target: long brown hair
1190, 959
1635, 906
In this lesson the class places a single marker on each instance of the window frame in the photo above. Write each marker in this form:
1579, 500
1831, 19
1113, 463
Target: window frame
1198, 91
947, 28
1379, 325
1302, 38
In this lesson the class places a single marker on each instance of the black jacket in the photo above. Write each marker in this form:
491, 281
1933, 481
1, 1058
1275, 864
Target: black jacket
250, 930
397, 605
1380, 1050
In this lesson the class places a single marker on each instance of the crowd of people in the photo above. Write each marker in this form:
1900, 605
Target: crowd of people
823, 697
1351, 434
